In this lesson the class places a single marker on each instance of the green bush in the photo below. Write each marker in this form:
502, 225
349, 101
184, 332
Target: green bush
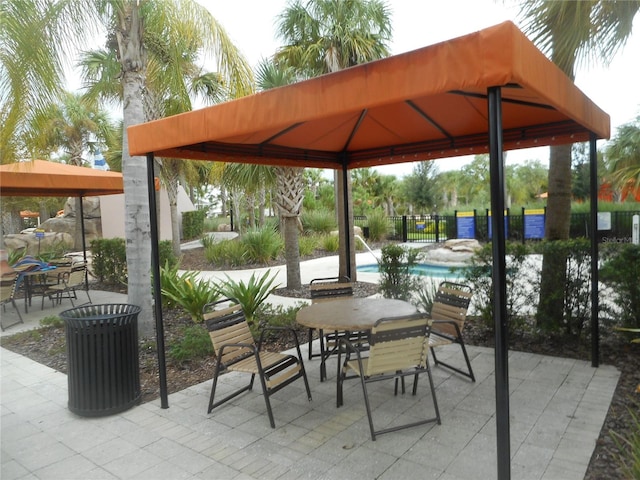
165, 252
250, 295
318, 221
226, 252
55, 250
109, 260
521, 275
262, 244
193, 224
276, 316
396, 280
425, 294
186, 291
307, 244
379, 226
330, 243
576, 293
621, 272
194, 342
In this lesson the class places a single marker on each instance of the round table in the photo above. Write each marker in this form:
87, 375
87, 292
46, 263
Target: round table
351, 314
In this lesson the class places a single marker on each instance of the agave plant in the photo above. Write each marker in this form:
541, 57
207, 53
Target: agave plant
250, 295
187, 291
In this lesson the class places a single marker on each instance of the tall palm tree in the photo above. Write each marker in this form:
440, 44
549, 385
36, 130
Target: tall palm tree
45, 29
77, 126
289, 180
324, 36
570, 32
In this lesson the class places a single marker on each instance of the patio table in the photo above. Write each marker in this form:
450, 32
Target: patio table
349, 315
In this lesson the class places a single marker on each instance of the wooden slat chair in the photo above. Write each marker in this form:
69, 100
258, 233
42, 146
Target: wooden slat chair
398, 348
448, 313
69, 279
8, 287
236, 351
328, 289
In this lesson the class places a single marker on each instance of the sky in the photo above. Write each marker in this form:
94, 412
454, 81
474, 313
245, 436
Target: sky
418, 23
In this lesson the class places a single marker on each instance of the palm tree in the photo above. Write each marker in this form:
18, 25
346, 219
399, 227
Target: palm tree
324, 36
73, 127
39, 33
289, 180
623, 155
570, 32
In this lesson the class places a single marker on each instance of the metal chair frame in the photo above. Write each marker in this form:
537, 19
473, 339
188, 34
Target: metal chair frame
398, 348
327, 289
69, 278
448, 314
235, 350
8, 286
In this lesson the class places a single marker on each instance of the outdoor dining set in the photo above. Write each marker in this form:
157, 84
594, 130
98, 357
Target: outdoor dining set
53, 280
374, 339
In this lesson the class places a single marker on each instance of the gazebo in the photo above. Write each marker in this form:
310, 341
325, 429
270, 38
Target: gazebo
485, 92
39, 178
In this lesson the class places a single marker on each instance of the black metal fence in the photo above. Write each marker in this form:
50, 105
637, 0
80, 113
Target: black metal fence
612, 226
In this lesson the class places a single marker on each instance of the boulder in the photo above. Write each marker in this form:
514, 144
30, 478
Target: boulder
90, 207
31, 245
92, 227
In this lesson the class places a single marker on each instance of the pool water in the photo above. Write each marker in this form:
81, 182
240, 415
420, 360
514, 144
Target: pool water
422, 269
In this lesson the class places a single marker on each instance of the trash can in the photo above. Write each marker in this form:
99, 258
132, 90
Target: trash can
365, 232
102, 358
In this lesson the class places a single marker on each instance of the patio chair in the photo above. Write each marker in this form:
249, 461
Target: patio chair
236, 351
8, 287
448, 313
398, 348
328, 289
69, 279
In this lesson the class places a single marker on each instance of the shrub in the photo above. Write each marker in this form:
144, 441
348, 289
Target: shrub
226, 252
629, 458
262, 244
621, 272
250, 295
425, 294
520, 275
379, 226
330, 243
186, 291
396, 280
318, 221
276, 316
307, 244
576, 294
192, 344
109, 260
165, 252
193, 224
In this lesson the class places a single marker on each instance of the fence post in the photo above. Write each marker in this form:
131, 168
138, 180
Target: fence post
404, 229
437, 228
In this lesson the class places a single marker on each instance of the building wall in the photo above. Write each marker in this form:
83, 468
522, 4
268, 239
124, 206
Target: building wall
112, 213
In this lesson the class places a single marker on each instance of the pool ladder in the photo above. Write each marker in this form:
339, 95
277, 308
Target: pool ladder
367, 247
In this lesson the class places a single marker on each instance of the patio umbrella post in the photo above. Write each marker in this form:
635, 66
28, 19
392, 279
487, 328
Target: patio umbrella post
496, 161
345, 203
155, 274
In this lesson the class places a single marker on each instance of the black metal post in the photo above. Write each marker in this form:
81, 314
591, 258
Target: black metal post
84, 246
497, 184
347, 224
155, 275
405, 234
595, 327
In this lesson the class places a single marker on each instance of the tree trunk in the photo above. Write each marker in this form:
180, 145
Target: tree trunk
554, 262
345, 261
290, 194
134, 169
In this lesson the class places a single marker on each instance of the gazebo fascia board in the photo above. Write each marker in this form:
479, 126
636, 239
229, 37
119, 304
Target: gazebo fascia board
500, 56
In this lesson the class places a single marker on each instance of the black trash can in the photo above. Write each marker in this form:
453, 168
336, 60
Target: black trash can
102, 358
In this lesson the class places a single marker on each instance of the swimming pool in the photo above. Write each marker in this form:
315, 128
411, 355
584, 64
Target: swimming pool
422, 269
